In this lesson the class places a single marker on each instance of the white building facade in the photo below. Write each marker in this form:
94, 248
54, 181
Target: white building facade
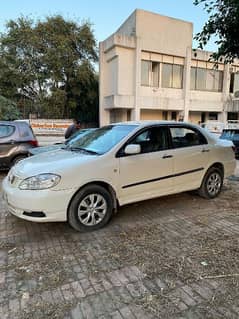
149, 71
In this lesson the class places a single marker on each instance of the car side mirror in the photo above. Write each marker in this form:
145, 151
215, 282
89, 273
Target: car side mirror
132, 149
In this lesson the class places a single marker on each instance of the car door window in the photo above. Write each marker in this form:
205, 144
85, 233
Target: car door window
186, 137
152, 140
6, 130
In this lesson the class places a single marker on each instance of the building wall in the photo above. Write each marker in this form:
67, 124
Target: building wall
157, 33
151, 115
111, 76
194, 117
129, 26
126, 70
159, 40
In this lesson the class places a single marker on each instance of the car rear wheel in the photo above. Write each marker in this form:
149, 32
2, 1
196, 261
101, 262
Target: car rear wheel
212, 183
90, 209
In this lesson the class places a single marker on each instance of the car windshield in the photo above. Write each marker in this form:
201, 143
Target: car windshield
78, 135
230, 135
101, 140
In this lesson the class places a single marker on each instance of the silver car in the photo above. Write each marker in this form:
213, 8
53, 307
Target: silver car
16, 138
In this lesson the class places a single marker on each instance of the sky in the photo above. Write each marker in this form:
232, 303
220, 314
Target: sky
105, 15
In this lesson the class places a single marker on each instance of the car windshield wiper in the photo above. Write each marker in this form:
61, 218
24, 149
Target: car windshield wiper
80, 149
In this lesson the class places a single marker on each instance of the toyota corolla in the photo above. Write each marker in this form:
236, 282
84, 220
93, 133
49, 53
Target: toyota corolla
115, 165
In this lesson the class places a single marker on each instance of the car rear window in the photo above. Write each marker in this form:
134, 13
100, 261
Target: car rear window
6, 130
24, 130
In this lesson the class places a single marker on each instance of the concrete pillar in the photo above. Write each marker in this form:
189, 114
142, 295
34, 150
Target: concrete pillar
135, 114
225, 92
104, 115
186, 82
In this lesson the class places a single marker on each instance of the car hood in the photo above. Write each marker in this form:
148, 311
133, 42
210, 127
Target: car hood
43, 149
57, 162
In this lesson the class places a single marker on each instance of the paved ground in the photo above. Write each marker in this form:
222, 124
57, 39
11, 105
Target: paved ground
173, 257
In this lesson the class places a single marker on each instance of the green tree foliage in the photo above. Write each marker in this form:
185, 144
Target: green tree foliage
48, 66
8, 110
223, 23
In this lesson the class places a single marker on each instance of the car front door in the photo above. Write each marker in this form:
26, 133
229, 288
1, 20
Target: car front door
191, 154
147, 174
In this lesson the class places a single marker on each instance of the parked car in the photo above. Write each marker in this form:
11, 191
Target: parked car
116, 165
16, 139
232, 135
56, 146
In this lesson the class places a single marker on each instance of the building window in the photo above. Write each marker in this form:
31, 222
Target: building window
234, 83
145, 71
232, 116
174, 116
213, 116
149, 73
155, 74
165, 115
206, 80
172, 76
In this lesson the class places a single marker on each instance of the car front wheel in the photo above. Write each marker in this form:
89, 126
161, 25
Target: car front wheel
212, 183
90, 209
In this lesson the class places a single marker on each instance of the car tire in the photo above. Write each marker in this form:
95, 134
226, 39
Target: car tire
90, 209
212, 183
17, 159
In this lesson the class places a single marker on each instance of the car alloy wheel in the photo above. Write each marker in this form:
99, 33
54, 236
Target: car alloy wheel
92, 209
214, 184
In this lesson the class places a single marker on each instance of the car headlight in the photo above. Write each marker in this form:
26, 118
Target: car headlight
41, 181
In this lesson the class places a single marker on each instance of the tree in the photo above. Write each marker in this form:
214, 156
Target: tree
42, 64
8, 110
223, 22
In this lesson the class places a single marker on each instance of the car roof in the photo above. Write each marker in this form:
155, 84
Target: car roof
147, 123
16, 122
7, 122
144, 123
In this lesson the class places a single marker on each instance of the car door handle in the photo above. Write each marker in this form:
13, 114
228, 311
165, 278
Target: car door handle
167, 156
205, 150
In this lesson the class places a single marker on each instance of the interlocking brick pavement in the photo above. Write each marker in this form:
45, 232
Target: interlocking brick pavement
172, 257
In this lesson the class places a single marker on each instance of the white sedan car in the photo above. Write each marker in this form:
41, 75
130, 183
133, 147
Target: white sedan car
116, 165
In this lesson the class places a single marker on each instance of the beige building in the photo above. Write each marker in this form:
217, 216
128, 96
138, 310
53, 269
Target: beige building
148, 70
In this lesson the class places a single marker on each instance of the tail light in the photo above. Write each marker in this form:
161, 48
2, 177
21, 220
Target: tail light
33, 143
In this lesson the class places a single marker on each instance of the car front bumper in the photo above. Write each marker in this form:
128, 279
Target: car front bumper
28, 204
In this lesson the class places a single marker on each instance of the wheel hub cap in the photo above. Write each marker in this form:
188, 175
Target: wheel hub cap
214, 184
92, 209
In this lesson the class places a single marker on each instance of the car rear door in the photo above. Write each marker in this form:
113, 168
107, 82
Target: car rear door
146, 175
190, 152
